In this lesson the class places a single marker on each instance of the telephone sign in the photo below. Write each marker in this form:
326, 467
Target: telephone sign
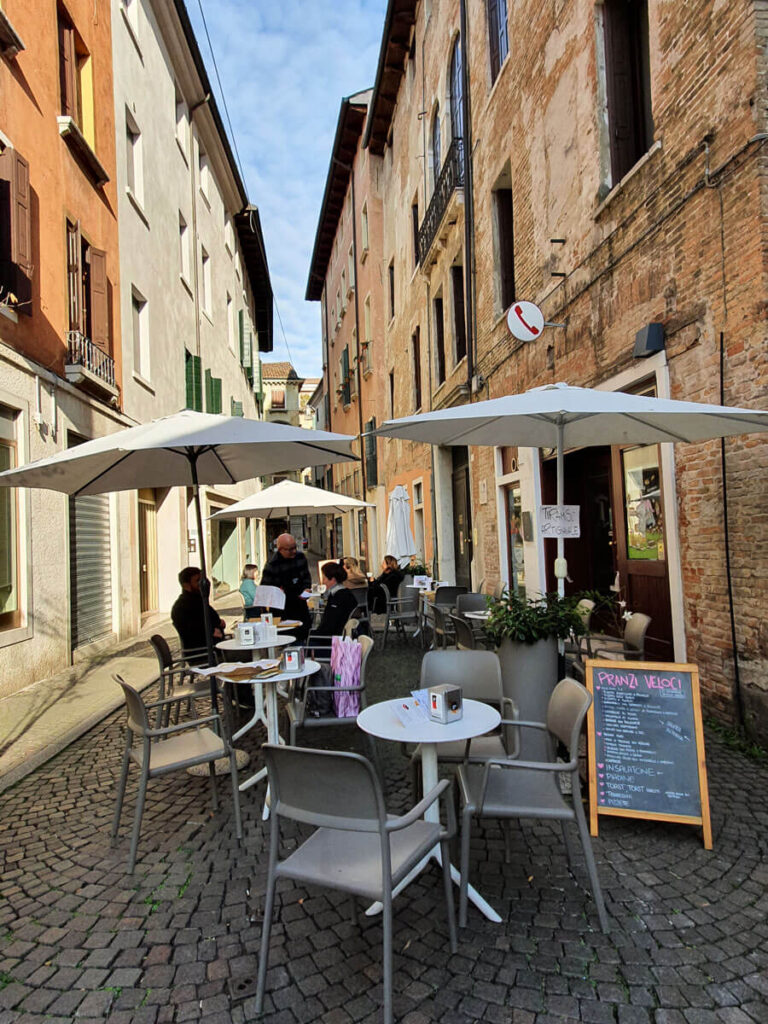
525, 320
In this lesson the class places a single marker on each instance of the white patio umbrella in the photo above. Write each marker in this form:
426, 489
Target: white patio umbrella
287, 498
183, 450
400, 543
561, 416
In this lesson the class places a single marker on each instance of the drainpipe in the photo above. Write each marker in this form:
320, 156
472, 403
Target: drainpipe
469, 205
727, 539
433, 502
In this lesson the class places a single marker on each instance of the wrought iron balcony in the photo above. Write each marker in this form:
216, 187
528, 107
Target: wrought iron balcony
451, 178
88, 365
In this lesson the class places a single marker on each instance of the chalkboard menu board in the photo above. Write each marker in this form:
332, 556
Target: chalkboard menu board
646, 744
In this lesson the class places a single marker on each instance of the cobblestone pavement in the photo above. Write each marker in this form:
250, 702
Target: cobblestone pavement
81, 940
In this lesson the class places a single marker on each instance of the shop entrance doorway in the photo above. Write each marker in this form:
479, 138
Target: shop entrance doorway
620, 494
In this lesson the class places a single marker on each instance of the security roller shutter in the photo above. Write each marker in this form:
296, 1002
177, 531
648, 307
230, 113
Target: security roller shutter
91, 569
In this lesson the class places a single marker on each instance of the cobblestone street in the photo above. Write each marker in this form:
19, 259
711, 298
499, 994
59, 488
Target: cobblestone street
80, 939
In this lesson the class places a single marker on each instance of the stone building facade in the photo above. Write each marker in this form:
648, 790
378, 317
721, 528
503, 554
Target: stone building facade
612, 170
196, 301
100, 295
61, 372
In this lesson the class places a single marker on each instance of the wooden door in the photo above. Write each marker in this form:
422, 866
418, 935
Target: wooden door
462, 519
148, 554
641, 542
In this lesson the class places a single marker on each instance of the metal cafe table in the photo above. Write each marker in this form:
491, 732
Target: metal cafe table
382, 720
264, 694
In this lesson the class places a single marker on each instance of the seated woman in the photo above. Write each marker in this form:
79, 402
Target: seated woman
339, 602
356, 580
391, 578
248, 588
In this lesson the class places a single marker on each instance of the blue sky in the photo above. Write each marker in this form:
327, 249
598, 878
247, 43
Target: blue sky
285, 66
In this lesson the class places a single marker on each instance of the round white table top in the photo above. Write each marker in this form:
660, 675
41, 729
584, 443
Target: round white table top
310, 667
381, 720
235, 645
478, 616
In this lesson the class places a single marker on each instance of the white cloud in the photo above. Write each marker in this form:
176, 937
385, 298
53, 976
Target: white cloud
285, 68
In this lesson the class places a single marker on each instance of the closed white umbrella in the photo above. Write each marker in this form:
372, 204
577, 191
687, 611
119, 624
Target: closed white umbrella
400, 543
289, 498
183, 450
561, 416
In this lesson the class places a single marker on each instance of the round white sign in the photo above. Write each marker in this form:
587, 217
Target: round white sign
525, 321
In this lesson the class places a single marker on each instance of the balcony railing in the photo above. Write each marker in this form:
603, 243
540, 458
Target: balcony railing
83, 352
451, 178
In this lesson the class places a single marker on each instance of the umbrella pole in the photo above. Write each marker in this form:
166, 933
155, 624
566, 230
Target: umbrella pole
560, 566
205, 586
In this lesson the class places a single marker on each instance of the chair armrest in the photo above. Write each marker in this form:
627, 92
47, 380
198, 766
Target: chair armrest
618, 647
165, 700
541, 766
337, 689
527, 725
418, 810
193, 723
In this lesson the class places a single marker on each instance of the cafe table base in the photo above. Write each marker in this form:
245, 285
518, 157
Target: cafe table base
385, 726
271, 711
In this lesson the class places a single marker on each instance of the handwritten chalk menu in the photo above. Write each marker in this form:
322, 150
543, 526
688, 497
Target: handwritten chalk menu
646, 744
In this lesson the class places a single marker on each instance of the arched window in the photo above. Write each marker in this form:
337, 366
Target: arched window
436, 157
457, 109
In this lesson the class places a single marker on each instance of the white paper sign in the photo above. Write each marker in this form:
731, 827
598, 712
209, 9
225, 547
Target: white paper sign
559, 521
269, 597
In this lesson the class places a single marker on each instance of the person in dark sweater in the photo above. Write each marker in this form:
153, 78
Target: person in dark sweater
339, 601
187, 613
288, 569
391, 578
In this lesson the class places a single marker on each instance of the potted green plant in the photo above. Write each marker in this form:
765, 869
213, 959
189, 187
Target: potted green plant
525, 632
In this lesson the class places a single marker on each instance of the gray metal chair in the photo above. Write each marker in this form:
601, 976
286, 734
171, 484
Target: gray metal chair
507, 788
175, 679
478, 673
296, 707
628, 647
498, 590
356, 847
446, 596
402, 611
443, 634
464, 633
166, 750
471, 602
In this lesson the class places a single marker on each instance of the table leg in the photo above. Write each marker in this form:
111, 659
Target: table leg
429, 777
260, 714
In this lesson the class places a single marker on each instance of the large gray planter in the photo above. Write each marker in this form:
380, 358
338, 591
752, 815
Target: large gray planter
529, 675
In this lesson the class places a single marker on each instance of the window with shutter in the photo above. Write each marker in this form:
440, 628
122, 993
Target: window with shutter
15, 231
498, 40
505, 239
627, 61
459, 320
75, 275
193, 381
99, 299
345, 395
416, 367
9, 556
371, 461
67, 67
439, 340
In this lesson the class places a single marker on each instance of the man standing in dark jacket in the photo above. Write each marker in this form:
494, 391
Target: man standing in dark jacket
288, 569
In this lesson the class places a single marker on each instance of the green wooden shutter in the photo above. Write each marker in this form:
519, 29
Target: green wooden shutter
194, 382
216, 394
208, 392
236, 408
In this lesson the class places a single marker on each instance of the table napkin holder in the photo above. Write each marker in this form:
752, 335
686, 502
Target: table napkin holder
293, 659
445, 703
